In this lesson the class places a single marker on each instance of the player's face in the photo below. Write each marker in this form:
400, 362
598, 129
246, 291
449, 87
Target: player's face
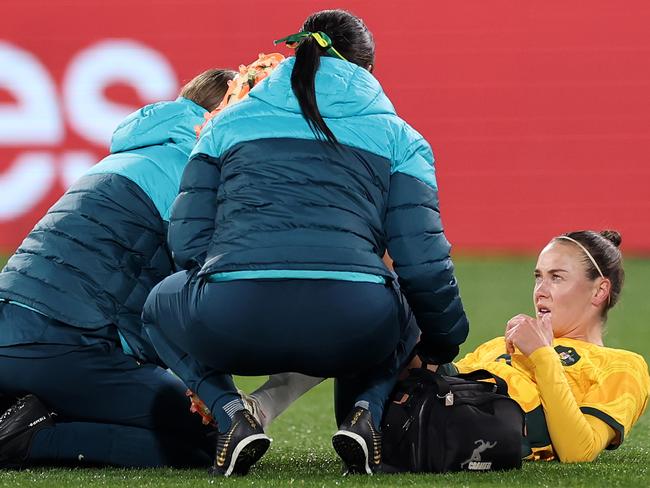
562, 288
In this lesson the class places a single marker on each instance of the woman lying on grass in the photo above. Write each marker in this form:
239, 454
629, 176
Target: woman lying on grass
579, 396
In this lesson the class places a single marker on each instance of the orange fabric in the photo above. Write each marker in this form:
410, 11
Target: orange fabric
240, 86
197, 406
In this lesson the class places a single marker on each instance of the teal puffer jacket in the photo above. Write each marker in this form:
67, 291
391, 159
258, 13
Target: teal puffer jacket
262, 197
96, 254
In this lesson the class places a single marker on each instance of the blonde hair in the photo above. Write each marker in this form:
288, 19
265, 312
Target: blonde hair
208, 88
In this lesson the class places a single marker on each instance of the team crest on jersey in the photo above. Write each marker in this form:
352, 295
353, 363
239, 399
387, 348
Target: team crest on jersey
568, 355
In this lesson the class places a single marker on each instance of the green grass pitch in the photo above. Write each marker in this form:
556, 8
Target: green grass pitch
493, 289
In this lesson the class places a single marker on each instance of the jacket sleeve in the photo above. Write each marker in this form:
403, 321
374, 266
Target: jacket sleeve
193, 213
420, 251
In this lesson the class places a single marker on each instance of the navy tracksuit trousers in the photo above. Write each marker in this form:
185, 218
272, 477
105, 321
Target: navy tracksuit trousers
359, 333
110, 409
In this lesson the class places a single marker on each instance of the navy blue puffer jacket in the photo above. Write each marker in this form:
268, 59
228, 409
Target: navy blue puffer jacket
93, 258
262, 198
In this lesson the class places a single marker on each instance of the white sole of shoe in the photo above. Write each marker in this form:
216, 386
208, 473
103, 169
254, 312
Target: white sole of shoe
243, 445
359, 441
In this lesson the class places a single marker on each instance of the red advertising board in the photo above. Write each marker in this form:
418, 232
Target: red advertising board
538, 112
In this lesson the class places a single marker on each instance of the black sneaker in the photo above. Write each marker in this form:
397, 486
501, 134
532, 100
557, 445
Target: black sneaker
358, 443
18, 425
241, 447
6, 401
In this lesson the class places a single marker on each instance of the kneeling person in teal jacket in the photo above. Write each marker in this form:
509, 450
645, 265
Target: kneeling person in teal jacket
71, 298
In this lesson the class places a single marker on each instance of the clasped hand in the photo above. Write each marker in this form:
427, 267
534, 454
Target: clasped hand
528, 334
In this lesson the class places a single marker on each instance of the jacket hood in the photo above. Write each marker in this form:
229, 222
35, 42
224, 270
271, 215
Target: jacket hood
343, 89
161, 123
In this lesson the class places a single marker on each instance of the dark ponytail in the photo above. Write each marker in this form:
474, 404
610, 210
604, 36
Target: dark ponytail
350, 37
303, 83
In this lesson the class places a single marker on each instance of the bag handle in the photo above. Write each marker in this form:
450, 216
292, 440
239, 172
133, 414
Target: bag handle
483, 374
423, 374
443, 386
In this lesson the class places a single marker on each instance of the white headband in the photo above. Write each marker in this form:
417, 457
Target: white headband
591, 258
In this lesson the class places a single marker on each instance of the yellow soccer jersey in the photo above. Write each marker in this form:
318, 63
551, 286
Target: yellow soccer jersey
610, 384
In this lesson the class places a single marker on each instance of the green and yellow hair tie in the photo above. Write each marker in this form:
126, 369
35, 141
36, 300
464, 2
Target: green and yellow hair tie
322, 39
